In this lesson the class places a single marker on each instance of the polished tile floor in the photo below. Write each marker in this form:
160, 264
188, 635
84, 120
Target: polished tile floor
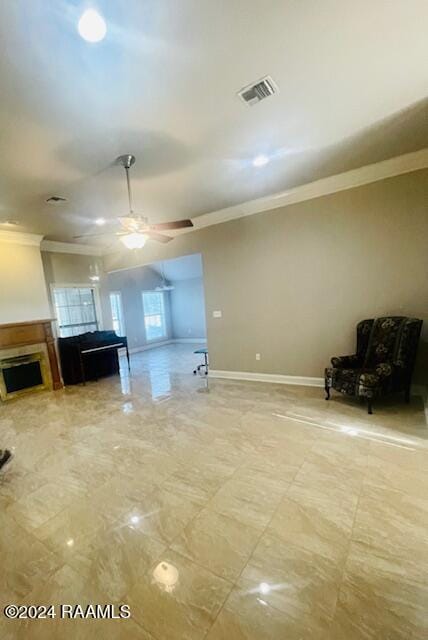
216, 510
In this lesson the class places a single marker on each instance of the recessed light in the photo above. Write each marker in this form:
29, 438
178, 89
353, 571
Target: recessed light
100, 221
92, 26
260, 161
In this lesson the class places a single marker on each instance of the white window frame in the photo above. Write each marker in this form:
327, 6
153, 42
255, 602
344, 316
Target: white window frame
121, 314
165, 334
77, 285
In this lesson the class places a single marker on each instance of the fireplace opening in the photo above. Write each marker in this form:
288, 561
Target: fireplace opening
23, 373
22, 376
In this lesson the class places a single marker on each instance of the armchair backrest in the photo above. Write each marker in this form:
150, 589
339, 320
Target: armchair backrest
394, 340
364, 329
408, 344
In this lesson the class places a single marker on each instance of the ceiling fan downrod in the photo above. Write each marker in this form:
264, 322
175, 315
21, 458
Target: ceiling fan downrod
127, 161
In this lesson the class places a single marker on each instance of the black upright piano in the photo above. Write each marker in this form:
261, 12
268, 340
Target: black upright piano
90, 356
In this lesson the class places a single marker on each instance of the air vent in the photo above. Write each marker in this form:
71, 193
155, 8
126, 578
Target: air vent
258, 91
56, 200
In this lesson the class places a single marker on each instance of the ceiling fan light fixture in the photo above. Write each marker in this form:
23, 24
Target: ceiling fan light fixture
165, 287
134, 240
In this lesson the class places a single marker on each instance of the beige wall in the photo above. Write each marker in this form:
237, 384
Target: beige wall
188, 309
293, 282
23, 293
67, 268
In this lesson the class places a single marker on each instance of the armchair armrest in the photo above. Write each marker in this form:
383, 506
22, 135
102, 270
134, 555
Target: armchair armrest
346, 362
375, 378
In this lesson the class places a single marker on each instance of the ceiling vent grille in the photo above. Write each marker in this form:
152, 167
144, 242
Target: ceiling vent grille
254, 93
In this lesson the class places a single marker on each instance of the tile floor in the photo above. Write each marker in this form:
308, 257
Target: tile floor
216, 510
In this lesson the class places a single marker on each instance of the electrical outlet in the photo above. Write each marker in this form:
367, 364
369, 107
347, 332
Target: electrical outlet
257, 356
217, 314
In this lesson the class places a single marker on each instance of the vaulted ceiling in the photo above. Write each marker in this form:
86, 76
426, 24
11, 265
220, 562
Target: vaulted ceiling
183, 268
162, 85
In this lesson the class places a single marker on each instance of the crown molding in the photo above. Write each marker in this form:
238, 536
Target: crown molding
326, 186
16, 237
69, 247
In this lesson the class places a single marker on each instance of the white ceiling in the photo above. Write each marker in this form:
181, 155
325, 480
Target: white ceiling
162, 85
182, 268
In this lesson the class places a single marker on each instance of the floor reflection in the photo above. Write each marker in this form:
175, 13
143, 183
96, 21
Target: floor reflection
160, 383
165, 575
236, 510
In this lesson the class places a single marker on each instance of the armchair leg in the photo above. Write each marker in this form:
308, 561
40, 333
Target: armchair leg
327, 391
369, 406
407, 395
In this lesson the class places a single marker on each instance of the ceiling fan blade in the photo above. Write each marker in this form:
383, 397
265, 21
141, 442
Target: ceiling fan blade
159, 237
175, 224
93, 235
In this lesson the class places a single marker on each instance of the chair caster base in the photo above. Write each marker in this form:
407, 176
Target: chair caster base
199, 370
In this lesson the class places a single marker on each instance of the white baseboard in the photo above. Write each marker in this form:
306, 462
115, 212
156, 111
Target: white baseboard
153, 345
163, 343
417, 390
267, 377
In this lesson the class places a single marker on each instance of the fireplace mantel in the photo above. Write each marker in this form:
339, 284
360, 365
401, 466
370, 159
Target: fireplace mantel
32, 332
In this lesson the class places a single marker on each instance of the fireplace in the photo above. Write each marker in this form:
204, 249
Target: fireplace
21, 373
24, 369
28, 359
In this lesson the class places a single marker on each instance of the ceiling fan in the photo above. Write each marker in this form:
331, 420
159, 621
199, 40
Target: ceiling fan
136, 229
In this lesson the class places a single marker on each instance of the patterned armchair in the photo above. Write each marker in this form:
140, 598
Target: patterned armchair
383, 363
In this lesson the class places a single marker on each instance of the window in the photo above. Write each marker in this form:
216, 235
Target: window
154, 315
75, 310
117, 313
